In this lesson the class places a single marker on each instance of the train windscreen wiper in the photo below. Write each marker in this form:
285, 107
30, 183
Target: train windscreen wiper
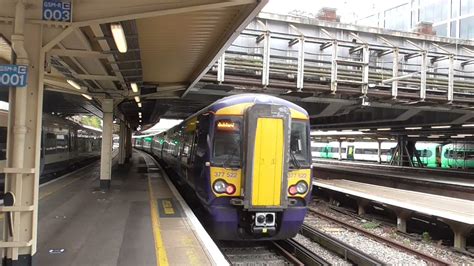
294, 161
229, 159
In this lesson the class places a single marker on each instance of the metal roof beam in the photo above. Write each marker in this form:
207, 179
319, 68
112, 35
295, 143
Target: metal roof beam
96, 77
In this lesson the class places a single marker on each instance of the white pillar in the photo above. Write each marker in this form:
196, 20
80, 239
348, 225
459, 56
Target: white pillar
379, 152
106, 153
23, 145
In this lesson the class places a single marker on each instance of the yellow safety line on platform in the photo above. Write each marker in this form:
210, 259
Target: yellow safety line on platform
160, 251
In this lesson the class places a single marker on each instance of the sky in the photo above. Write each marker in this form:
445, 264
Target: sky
349, 10
163, 125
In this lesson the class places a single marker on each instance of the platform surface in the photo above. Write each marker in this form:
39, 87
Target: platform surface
81, 225
439, 206
436, 176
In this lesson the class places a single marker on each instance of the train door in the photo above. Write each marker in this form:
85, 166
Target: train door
438, 151
268, 162
201, 156
350, 152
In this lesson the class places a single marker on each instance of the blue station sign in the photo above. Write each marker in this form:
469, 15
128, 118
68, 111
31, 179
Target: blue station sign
13, 75
57, 10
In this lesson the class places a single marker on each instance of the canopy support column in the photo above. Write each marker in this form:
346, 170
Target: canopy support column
106, 152
23, 145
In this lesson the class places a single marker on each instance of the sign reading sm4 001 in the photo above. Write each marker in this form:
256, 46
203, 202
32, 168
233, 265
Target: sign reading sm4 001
13, 75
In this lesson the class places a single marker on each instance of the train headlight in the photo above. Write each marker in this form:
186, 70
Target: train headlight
301, 187
220, 186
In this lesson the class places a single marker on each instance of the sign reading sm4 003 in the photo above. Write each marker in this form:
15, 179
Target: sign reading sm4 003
13, 75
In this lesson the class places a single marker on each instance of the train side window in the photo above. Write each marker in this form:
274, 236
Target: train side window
50, 143
3, 143
470, 155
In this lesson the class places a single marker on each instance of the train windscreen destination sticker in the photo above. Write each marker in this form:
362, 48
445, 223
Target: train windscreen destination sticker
168, 207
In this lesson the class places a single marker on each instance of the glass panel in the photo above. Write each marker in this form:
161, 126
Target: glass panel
434, 10
454, 8
299, 143
227, 143
466, 28
453, 29
441, 30
398, 18
467, 7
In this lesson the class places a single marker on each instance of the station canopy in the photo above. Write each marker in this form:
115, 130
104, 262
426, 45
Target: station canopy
170, 45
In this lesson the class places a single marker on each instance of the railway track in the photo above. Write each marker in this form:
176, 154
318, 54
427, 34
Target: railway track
338, 247
282, 252
426, 257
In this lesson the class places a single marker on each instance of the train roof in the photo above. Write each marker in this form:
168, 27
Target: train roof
252, 98
241, 102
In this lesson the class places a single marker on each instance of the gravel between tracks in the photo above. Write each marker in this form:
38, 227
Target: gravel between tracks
322, 252
389, 232
363, 243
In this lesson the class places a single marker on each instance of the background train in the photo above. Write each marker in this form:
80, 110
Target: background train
247, 158
64, 144
453, 155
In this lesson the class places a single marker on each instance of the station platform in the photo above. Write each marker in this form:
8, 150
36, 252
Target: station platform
141, 220
457, 213
448, 183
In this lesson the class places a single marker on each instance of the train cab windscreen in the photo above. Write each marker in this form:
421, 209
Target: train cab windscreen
227, 144
299, 155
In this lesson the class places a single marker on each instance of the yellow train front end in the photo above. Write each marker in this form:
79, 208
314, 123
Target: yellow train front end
261, 187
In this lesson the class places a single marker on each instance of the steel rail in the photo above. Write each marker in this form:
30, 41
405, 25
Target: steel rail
344, 250
422, 255
300, 252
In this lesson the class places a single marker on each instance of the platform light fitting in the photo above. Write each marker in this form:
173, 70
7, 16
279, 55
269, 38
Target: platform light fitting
137, 99
384, 129
139, 105
119, 37
134, 87
465, 135
74, 84
440, 127
87, 96
413, 128
413, 136
364, 129
468, 125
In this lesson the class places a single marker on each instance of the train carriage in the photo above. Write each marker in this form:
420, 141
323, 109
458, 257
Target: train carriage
248, 159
